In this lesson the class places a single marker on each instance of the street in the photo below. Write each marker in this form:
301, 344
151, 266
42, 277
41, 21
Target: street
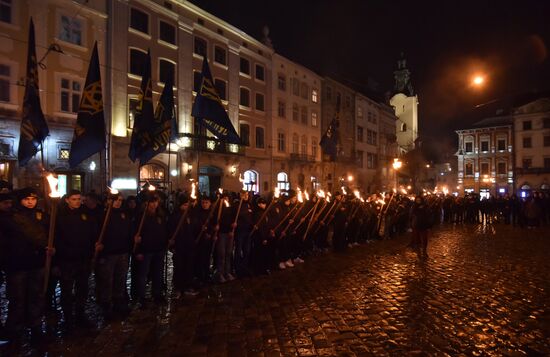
483, 290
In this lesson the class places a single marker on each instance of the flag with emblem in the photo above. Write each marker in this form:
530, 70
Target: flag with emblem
89, 131
144, 116
329, 141
162, 130
208, 109
34, 128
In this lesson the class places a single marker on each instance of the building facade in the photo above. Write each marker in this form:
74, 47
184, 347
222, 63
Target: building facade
485, 157
532, 149
65, 33
296, 125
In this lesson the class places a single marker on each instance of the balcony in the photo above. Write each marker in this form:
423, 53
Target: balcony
208, 144
302, 157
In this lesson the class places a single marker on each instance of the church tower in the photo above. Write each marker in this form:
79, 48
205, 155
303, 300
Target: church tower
405, 104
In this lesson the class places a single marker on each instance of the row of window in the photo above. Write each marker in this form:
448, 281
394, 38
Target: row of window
298, 114
527, 141
528, 124
372, 136
244, 130
527, 162
371, 117
347, 98
484, 146
484, 168
372, 160
299, 89
296, 146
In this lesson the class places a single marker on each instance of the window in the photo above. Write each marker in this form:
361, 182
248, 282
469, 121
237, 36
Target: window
546, 123
139, 20
372, 161
469, 147
245, 134
5, 10
313, 118
314, 143
295, 143
245, 66
527, 142
484, 146
303, 146
484, 168
501, 168
63, 154
197, 81
281, 82
403, 127
527, 125
374, 118
374, 138
70, 95
295, 86
244, 97
199, 46
314, 96
469, 169
527, 162
260, 72
547, 162
5, 77
137, 61
328, 93
360, 134
304, 90
132, 109
260, 101
281, 142
71, 30
546, 140
371, 137
282, 181
260, 141
304, 115
167, 32
360, 112
281, 109
360, 158
167, 71
220, 55
251, 181
295, 112
221, 87
501, 144
347, 102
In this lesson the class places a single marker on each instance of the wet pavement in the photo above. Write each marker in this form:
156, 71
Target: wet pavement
484, 290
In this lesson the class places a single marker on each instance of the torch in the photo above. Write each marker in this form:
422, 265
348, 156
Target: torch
238, 209
142, 221
208, 218
300, 199
276, 195
112, 192
55, 196
184, 215
320, 194
312, 210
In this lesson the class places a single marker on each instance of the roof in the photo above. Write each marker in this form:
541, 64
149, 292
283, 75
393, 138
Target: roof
493, 121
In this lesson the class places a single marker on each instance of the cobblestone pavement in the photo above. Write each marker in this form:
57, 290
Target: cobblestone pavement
482, 291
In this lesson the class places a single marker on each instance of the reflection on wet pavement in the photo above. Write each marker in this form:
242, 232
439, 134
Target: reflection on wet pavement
484, 290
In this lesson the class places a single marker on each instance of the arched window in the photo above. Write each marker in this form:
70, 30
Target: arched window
152, 172
251, 179
295, 143
282, 181
403, 127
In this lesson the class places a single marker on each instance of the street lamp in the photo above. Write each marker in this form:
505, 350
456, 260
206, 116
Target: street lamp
396, 166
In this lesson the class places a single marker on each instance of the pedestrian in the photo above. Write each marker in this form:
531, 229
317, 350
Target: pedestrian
243, 240
224, 240
421, 222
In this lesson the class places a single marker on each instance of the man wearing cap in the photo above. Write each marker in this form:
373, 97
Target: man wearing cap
23, 248
112, 260
75, 237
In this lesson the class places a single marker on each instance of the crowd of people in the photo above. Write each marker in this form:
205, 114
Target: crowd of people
124, 242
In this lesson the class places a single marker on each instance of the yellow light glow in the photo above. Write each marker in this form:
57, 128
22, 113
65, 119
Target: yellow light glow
193, 191
52, 181
478, 80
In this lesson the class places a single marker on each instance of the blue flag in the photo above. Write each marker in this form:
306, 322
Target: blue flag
34, 128
329, 141
144, 117
162, 129
208, 109
89, 131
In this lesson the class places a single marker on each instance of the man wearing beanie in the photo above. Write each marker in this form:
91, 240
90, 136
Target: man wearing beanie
23, 247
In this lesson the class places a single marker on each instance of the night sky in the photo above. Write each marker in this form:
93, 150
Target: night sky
445, 44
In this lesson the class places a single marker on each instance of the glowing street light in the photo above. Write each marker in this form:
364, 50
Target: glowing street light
396, 166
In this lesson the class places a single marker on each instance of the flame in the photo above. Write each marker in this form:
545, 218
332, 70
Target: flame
151, 187
357, 194
300, 196
321, 194
382, 202
226, 203
445, 190
220, 190
306, 195
403, 191
112, 191
362, 199
394, 190
277, 192
344, 190
328, 197
242, 181
52, 181
193, 191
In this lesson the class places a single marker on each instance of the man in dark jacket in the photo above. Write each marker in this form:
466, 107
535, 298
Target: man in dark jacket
112, 260
23, 249
75, 237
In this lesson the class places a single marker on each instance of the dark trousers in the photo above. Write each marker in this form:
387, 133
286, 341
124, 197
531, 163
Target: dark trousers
203, 258
110, 273
25, 299
224, 254
74, 285
243, 246
421, 238
152, 266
